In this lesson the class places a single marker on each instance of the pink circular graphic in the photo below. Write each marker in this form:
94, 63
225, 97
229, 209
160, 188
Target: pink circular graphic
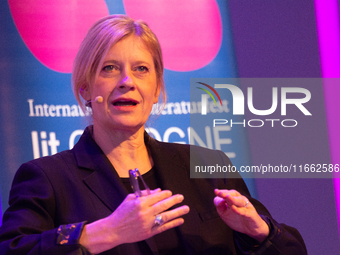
190, 31
53, 30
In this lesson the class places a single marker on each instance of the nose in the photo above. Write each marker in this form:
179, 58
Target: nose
127, 81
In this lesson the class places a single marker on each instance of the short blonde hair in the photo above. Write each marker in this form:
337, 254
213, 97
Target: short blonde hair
105, 33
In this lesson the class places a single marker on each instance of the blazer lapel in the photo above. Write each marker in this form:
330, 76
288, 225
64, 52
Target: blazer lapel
99, 174
171, 168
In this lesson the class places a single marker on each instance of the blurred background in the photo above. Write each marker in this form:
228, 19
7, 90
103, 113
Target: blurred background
266, 43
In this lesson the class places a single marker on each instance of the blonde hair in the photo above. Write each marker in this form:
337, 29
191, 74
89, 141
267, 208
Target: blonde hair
105, 33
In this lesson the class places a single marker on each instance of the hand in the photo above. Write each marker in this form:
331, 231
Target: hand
134, 220
240, 215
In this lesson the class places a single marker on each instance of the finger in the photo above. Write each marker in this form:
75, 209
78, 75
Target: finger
233, 197
169, 216
220, 204
165, 204
219, 201
175, 213
145, 192
239, 201
171, 224
224, 193
155, 190
130, 196
156, 197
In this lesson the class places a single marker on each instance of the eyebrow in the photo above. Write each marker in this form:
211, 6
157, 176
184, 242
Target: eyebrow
111, 61
137, 62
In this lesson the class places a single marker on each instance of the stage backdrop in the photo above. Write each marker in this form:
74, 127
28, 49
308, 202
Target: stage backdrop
201, 40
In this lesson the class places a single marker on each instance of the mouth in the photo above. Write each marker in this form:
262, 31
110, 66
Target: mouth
124, 102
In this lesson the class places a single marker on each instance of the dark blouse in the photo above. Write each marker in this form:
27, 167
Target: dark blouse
167, 242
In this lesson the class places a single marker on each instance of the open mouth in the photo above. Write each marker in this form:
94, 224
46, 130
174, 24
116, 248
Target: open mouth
124, 103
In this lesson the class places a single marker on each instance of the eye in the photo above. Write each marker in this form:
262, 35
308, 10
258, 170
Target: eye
142, 69
110, 68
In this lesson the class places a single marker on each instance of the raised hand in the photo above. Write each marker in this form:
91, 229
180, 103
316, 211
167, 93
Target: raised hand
239, 214
135, 220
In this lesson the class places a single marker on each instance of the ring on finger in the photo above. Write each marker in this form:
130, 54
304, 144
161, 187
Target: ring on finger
158, 221
247, 202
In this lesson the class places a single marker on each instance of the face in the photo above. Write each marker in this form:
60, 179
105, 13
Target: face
128, 84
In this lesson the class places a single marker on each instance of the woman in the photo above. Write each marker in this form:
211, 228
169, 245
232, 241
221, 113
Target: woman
80, 201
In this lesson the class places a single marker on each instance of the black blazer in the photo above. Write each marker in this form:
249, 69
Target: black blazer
81, 185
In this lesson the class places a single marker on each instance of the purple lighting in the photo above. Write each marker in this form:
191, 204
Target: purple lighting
327, 19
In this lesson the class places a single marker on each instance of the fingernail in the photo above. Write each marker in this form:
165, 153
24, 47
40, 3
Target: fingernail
186, 209
168, 193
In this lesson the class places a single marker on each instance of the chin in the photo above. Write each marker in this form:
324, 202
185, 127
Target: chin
127, 126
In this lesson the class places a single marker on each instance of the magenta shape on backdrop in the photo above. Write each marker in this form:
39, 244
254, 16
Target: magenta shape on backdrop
53, 30
190, 32
327, 20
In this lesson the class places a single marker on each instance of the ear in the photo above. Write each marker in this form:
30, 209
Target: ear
85, 92
157, 92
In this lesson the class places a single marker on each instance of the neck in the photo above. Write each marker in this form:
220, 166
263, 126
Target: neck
124, 148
